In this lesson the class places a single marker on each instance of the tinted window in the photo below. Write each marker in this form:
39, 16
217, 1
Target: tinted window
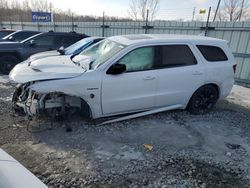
66, 40
45, 40
23, 35
176, 55
212, 53
139, 59
97, 40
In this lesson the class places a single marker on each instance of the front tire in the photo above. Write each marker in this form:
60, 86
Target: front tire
7, 63
203, 100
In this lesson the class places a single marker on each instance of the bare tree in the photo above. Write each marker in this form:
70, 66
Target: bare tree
138, 9
16, 11
41, 5
234, 10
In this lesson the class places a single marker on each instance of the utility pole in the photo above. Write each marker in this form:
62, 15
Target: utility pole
241, 10
217, 8
208, 16
193, 14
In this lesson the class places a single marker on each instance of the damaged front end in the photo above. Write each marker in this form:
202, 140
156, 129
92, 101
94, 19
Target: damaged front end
48, 106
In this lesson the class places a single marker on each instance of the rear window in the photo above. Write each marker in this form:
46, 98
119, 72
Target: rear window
212, 53
176, 56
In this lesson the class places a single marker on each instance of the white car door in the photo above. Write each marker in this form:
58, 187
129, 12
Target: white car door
134, 89
180, 73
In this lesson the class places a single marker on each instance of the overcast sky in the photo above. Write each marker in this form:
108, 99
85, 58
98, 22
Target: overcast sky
169, 9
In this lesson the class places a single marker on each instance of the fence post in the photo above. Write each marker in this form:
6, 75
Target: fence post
38, 29
53, 19
103, 23
146, 27
208, 16
72, 22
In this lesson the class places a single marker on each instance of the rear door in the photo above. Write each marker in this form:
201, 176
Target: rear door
180, 73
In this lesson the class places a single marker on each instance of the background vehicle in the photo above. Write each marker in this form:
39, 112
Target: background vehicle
73, 49
15, 175
19, 36
12, 53
128, 74
5, 32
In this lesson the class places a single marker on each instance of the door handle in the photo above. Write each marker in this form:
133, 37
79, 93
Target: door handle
197, 73
149, 78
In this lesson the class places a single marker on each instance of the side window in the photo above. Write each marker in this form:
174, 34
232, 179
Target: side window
176, 56
97, 40
23, 35
139, 59
44, 40
212, 53
66, 40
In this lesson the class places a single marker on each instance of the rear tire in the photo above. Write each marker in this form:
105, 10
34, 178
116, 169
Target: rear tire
7, 63
203, 100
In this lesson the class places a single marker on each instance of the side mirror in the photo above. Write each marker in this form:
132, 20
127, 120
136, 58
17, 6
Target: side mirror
117, 69
32, 43
61, 50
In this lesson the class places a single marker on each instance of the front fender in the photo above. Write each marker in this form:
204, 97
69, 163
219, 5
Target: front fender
72, 87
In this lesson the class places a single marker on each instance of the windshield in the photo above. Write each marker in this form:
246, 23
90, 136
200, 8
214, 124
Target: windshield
5, 33
71, 49
102, 51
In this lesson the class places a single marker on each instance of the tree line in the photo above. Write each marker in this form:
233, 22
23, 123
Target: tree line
139, 10
17, 11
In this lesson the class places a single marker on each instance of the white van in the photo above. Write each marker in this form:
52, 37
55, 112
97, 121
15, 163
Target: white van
129, 74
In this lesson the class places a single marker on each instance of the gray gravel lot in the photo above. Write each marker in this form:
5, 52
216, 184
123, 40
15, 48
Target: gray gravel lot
188, 151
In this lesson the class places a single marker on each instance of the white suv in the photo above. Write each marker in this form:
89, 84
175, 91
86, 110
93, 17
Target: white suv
128, 74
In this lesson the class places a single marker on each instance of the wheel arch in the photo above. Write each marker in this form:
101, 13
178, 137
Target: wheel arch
87, 108
215, 85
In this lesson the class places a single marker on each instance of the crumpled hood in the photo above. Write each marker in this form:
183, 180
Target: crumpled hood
43, 55
55, 67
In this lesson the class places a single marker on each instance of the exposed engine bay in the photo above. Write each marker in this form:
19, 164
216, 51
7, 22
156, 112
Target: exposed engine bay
54, 106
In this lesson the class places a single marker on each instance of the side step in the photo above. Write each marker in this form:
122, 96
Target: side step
140, 114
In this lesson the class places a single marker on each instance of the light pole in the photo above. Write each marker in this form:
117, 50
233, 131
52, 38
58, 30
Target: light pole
241, 10
217, 8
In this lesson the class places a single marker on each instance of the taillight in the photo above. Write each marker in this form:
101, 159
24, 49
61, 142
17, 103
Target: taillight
234, 68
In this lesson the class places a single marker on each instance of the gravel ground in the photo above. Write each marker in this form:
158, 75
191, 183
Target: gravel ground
170, 149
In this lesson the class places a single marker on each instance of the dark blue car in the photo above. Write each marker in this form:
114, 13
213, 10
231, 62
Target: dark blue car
74, 49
